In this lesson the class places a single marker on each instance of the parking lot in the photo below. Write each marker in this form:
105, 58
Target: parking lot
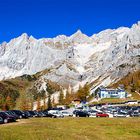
93, 111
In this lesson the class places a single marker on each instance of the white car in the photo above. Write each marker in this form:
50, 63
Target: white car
110, 115
92, 113
57, 113
66, 113
120, 115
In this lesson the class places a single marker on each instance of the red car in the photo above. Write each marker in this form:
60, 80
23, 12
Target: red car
101, 114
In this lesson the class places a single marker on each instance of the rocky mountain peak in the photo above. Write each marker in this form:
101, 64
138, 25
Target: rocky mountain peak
79, 37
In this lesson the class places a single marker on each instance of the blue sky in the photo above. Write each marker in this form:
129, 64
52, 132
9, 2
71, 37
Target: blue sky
49, 18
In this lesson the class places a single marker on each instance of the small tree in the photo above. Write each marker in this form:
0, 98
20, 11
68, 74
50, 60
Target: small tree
27, 106
61, 97
53, 102
49, 105
44, 103
24, 105
133, 86
8, 103
38, 104
4, 107
1, 102
31, 105
23, 102
83, 92
67, 98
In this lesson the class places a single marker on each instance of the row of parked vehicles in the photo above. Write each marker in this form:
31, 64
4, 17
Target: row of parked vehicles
109, 111
122, 111
101, 111
13, 115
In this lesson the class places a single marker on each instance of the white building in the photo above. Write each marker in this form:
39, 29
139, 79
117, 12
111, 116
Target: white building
103, 92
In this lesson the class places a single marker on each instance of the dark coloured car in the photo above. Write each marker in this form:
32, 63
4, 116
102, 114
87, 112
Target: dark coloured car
7, 118
27, 113
41, 114
33, 113
135, 114
81, 114
1, 120
12, 114
20, 114
74, 112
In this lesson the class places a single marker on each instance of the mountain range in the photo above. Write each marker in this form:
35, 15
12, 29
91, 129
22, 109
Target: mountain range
70, 61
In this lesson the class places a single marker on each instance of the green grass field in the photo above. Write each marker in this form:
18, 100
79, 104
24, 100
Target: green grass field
72, 129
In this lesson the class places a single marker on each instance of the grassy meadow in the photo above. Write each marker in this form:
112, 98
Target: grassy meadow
72, 129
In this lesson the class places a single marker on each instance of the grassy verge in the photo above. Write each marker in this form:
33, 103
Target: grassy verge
72, 129
111, 100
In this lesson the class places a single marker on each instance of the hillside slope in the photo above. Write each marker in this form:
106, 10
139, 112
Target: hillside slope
23, 89
131, 83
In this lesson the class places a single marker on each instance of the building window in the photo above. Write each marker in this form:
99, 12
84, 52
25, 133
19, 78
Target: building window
103, 95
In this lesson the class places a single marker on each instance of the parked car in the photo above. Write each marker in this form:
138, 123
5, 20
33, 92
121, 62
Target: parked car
49, 115
12, 114
101, 114
7, 118
74, 113
32, 113
41, 114
120, 114
81, 114
135, 114
92, 113
56, 113
27, 113
20, 114
1, 120
38, 114
66, 113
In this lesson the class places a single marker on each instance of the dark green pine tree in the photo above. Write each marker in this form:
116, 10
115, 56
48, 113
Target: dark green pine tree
49, 104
